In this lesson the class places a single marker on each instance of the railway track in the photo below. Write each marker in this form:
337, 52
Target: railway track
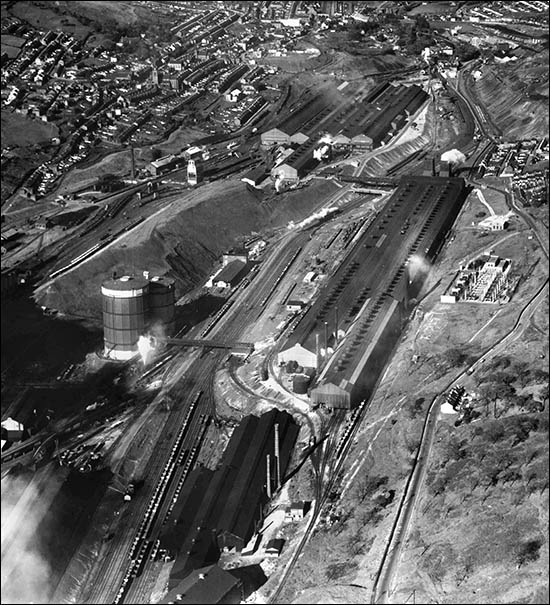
142, 518
327, 468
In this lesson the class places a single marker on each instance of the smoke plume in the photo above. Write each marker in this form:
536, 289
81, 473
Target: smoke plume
454, 157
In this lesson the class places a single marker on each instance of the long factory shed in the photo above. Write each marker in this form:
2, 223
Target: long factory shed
365, 303
222, 509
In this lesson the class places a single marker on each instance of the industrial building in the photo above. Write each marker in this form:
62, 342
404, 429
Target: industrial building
165, 164
132, 306
212, 584
256, 176
357, 126
352, 327
222, 509
484, 279
231, 274
297, 164
275, 137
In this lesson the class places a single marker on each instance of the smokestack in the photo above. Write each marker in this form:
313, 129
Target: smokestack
317, 351
326, 340
277, 461
433, 167
335, 328
450, 170
268, 474
133, 161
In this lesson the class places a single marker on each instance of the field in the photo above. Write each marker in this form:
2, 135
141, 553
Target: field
77, 17
20, 131
11, 45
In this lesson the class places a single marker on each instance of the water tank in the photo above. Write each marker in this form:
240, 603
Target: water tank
300, 383
162, 310
124, 315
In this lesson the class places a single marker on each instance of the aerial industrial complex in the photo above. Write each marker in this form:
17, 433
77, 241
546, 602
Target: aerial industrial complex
274, 301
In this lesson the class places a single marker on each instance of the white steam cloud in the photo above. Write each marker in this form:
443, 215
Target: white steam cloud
146, 348
25, 572
417, 264
454, 157
310, 219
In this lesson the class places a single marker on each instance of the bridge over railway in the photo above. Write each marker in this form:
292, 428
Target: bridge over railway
371, 181
243, 348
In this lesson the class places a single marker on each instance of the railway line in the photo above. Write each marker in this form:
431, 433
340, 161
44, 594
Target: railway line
327, 466
142, 518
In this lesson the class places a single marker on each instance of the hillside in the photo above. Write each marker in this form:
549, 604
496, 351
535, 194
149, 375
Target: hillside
516, 96
187, 239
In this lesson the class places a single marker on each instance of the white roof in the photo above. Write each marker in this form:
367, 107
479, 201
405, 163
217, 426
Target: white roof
12, 425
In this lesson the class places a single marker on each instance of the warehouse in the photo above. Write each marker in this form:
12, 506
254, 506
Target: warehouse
274, 137
297, 164
256, 176
222, 509
350, 330
231, 274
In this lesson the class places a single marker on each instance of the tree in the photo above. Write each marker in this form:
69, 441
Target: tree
528, 552
422, 24
494, 431
156, 153
454, 449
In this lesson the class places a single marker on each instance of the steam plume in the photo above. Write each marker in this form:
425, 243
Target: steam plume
454, 157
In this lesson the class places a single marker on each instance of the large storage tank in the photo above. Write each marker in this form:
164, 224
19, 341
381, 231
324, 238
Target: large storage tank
125, 307
300, 383
162, 310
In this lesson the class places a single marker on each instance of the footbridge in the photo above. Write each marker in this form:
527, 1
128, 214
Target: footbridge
239, 348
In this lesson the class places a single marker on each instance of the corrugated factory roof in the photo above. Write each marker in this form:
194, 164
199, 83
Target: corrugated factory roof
410, 222
227, 502
230, 271
210, 584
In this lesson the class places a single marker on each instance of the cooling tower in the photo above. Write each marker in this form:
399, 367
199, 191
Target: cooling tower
125, 308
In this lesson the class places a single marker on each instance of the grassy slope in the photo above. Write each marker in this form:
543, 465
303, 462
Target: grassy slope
195, 238
516, 102
21, 131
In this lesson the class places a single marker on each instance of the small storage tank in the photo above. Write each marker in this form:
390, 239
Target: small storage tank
125, 308
162, 310
300, 383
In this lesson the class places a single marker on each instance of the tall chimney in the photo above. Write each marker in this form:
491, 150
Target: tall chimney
268, 475
433, 167
133, 160
450, 170
277, 461
326, 340
335, 328
317, 351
